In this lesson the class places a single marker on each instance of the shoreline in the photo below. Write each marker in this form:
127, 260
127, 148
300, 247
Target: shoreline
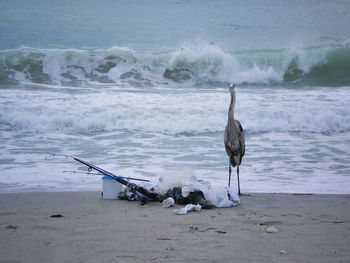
85, 228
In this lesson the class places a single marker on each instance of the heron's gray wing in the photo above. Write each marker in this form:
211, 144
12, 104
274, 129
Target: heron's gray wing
241, 138
242, 142
227, 143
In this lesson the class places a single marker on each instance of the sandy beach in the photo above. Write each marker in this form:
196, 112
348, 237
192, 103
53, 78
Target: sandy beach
82, 227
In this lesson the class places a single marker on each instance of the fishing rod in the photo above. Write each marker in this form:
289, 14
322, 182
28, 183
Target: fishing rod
123, 181
76, 172
126, 178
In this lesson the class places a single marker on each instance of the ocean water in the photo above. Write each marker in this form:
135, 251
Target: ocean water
140, 88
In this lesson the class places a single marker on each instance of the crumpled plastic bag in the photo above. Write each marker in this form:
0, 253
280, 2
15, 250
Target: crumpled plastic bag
188, 208
169, 202
219, 196
222, 196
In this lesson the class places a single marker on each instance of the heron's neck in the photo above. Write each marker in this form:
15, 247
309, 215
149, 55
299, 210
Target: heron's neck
232, 106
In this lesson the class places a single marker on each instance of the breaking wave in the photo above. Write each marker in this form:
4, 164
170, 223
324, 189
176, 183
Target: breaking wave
199, 63
183, 113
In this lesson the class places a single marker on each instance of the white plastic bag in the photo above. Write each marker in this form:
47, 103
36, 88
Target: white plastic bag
169, 202
219, 196
188, 208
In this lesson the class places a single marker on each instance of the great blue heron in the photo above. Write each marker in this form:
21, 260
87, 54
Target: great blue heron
234, 138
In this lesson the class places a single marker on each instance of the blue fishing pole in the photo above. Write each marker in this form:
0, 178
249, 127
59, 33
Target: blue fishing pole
126, 178
123, 181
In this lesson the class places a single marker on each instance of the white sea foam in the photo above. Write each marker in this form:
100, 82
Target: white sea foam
142, 124
174, 133
321, 111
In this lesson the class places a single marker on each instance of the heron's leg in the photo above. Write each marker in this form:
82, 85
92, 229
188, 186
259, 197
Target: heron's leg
239, 186
229, 174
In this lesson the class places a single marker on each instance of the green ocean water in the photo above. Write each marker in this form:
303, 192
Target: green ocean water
234, 25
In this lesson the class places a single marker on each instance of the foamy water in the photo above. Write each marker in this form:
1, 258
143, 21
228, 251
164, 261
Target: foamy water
297, 139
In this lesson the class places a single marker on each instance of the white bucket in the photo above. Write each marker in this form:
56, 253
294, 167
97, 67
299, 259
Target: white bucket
111, 188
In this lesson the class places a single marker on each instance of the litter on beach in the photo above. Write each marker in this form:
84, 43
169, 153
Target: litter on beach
195, 194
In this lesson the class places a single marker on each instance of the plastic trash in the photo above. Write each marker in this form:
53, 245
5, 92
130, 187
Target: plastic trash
169, 202
222, 196
188, 208
219, 196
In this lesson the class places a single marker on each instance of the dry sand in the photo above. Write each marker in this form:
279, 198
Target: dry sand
305, 228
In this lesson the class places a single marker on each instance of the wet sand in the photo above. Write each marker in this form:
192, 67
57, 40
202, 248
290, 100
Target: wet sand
82, 227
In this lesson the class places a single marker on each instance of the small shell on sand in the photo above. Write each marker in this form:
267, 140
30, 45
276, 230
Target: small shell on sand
271, 229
